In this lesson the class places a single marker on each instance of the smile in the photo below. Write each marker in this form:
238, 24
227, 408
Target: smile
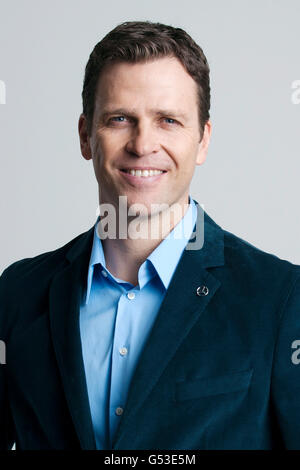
143, 173
142, 179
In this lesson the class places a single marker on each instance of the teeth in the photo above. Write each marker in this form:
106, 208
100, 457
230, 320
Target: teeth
144, 173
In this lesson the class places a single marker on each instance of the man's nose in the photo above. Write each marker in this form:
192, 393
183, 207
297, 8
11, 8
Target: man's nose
143, 140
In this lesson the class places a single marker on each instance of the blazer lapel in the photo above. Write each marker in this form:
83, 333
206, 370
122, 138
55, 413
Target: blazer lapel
64, 305
180, 310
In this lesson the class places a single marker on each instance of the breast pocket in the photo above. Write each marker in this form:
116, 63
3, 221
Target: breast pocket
209, 386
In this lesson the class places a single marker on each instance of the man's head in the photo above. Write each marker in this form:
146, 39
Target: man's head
146, 100
139, 41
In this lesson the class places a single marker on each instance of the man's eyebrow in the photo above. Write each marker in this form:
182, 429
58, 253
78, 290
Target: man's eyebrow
170, 113
108, 112
127, 112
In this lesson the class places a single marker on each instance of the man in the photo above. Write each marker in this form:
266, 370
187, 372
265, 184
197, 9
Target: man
126, 342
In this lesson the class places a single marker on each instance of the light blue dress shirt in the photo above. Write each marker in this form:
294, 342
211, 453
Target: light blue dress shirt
116, 319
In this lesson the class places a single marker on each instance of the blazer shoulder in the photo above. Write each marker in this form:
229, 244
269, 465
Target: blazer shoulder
241, 253
46, 263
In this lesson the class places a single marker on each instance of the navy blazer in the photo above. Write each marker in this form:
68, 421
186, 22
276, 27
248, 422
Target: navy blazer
219, 370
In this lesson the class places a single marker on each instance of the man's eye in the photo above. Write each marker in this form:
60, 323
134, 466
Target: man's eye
117, 118
170, 120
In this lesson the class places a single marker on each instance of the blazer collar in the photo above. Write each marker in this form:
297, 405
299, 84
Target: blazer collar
66, 294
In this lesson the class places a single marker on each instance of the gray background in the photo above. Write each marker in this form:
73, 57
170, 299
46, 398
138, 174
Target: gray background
249, 183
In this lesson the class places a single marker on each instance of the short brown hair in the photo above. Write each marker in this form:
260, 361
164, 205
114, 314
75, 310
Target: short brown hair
138, 41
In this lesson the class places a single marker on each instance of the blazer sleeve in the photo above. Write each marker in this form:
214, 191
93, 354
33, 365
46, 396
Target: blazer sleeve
285, 382
7, 437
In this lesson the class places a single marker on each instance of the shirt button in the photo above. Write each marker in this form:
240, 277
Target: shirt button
104, 273
119, 411
131, 295
123, 351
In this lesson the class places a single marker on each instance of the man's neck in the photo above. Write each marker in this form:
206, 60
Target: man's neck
124, 256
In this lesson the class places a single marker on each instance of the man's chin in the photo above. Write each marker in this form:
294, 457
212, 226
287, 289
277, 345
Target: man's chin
146, 208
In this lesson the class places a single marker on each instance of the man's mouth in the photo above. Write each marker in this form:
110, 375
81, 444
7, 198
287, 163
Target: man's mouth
143, 173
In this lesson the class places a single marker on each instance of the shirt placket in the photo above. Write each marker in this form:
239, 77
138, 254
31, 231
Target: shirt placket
120, 366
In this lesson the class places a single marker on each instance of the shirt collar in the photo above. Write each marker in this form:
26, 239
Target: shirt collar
164, 258
166, 255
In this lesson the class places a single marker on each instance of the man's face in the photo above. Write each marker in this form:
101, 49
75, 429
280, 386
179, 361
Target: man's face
145, 117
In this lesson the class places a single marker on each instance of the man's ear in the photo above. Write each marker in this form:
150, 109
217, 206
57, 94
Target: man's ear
203, 144
84, 138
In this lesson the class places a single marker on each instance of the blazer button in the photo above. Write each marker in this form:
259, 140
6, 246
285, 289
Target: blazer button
202, 290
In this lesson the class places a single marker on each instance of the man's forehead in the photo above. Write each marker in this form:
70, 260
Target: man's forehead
166, 74
153, 96
154, 93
